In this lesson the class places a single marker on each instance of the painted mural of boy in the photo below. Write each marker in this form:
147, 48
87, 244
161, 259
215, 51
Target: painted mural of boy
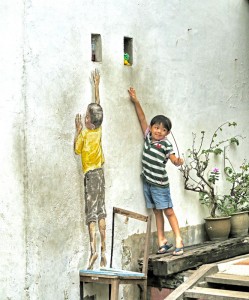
157, 150
87, 143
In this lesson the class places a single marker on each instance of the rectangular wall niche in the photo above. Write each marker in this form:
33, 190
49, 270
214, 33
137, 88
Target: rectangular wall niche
128, 51
96, 47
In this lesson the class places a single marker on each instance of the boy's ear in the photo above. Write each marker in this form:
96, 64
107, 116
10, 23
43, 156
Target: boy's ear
92, 126
168, 132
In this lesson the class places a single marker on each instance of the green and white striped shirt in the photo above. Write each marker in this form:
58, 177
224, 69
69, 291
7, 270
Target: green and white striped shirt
154, 159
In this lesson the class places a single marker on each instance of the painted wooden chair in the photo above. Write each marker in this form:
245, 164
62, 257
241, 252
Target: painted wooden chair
115, 277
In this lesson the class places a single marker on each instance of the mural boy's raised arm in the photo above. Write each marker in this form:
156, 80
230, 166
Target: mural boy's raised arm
96, 80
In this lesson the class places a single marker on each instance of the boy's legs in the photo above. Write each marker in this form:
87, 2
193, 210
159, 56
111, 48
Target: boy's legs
95, 212
102, 230
101, 214
92, 236
160, 226
94, 194
170, 214
153, 196
160, 197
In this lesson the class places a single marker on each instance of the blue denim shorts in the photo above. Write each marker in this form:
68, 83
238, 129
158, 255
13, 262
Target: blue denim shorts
157, 197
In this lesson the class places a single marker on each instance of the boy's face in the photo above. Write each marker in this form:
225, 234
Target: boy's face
158, 132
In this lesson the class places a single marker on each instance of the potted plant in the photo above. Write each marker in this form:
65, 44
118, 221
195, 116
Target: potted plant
237, 201
200, 178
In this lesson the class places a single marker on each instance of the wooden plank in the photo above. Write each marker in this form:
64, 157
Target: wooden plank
169, 282
207, 293
229, 279
197, 276
130, 214
243, 262
233, 259
175, 280
206, 253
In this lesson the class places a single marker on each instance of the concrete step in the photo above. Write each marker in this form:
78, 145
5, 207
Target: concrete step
214, 294
228, 279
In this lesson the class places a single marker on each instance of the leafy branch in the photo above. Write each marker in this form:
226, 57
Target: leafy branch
195, 172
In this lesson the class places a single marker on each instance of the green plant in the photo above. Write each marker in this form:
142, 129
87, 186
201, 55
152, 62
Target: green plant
196, 171
238, 198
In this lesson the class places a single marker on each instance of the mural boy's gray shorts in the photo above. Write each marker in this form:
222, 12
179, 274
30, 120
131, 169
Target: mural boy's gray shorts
94, 183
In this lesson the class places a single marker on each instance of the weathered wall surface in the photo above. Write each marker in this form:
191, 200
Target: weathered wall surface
12, 153
191, 62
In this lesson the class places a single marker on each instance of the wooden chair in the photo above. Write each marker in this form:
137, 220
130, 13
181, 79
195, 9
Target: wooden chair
115, 277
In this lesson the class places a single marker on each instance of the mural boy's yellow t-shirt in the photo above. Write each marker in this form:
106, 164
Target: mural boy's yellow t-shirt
88, 145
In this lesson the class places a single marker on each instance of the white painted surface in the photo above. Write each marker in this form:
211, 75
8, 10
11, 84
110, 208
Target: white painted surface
236, 267
12, 156
191, 62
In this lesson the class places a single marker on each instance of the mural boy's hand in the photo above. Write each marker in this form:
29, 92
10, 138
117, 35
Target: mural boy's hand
96, 77
78, 123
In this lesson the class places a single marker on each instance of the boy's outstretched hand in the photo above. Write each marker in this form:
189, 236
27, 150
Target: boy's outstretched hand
132, 94
78, 123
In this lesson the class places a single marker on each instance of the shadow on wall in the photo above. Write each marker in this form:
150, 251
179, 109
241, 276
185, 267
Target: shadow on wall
90, 297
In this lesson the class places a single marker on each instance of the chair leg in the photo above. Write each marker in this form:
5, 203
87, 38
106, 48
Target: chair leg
110, 291
81, 290
144, 291
115, 288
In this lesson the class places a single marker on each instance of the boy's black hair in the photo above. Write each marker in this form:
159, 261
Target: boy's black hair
96, 114
160, 119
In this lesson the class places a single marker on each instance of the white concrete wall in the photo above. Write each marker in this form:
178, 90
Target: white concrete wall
12, 153
191, 62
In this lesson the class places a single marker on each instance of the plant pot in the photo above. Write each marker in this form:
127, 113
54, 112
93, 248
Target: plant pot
218, 229
239, 224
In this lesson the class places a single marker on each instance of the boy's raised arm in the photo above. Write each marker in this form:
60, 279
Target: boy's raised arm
139, 110
96, 80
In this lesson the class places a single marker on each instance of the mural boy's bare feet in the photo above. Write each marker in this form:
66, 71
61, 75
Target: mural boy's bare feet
103, 260
92, 259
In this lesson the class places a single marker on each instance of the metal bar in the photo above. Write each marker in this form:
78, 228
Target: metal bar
113, 223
